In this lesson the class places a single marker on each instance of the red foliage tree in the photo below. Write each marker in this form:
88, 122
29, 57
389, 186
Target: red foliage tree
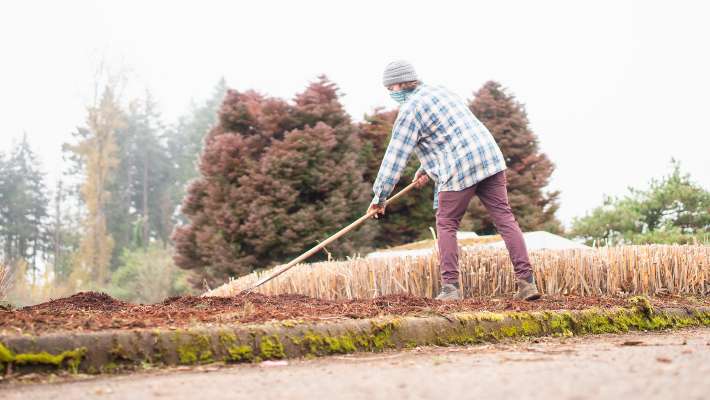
409, 218
275, 179
528, 170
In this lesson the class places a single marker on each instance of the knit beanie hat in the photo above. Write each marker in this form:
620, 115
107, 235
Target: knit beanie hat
398, 72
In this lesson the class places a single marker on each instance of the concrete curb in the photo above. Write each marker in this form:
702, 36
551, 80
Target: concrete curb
108, 351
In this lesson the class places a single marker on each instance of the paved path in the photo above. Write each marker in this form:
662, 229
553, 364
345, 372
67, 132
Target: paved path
669, 365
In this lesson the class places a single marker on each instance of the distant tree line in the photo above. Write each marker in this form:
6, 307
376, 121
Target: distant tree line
111, 214
24, 210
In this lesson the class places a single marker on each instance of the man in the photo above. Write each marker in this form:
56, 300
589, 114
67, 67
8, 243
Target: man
459, 153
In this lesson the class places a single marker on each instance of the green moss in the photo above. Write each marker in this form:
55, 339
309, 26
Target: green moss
703, 317
270, 347
193, 348
233, 350
640, 317
470, 335
380, 336
227, 338
377, 338
559, 323
564, 323
109, 367
289, 323
39, 358
318, 344
5, 354
70, 358
478, 316
240, 353
118, 353
489, 316
642, 303
597, 321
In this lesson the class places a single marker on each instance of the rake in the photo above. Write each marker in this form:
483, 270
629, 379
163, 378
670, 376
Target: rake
326, 242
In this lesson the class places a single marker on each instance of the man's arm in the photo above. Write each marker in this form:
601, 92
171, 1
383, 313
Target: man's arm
405, 134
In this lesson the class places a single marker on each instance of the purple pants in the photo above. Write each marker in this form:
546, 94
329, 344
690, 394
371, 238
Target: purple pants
493, 193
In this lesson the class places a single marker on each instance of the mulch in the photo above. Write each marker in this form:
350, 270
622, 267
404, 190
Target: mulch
91, 311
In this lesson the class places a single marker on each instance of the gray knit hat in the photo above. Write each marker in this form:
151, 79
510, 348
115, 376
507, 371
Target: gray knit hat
398, 72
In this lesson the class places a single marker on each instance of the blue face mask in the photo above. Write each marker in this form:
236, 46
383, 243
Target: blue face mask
400, 96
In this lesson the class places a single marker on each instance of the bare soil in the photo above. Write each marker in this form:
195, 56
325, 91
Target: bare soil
91, 311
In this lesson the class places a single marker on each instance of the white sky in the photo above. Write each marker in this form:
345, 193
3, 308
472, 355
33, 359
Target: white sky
613, 89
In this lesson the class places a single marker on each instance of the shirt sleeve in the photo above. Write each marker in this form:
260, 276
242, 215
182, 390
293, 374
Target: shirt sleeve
405, 135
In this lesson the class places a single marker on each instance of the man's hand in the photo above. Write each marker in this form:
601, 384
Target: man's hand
379, 210
421, 179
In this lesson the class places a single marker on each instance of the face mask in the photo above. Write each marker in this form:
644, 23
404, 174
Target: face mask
400, 96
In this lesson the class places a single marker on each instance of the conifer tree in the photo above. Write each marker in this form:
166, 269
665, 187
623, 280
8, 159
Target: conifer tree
410, 218
139, 209
275, 178
185, 142
528, 170
24, 204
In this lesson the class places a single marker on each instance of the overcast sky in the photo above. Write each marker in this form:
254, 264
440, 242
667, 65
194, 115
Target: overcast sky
613, 89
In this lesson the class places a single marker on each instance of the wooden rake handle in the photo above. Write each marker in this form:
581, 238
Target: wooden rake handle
328, 241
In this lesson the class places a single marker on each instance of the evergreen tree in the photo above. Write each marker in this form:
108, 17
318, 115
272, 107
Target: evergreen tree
152, 179
23, 208
528, 170
276, 178
410, 218
185, 142
119, 210
137, 210
212, 242
63, 229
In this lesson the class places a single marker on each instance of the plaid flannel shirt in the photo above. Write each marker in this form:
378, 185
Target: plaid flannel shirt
455, 149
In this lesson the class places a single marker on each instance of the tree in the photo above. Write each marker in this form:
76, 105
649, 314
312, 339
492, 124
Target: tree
528, 170
275, 179
140, 210
24, 207
672, 210
148, 275
64, 231
185, 142
98, 152
409, 218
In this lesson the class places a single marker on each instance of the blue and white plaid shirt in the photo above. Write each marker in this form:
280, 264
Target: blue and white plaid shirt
455, 149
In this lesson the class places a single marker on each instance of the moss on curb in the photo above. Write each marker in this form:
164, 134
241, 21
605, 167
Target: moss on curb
640, 317
254, 343
234, 351
193, 348
69, 358
270, 347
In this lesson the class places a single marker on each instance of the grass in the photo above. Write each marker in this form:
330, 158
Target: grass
623, 270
